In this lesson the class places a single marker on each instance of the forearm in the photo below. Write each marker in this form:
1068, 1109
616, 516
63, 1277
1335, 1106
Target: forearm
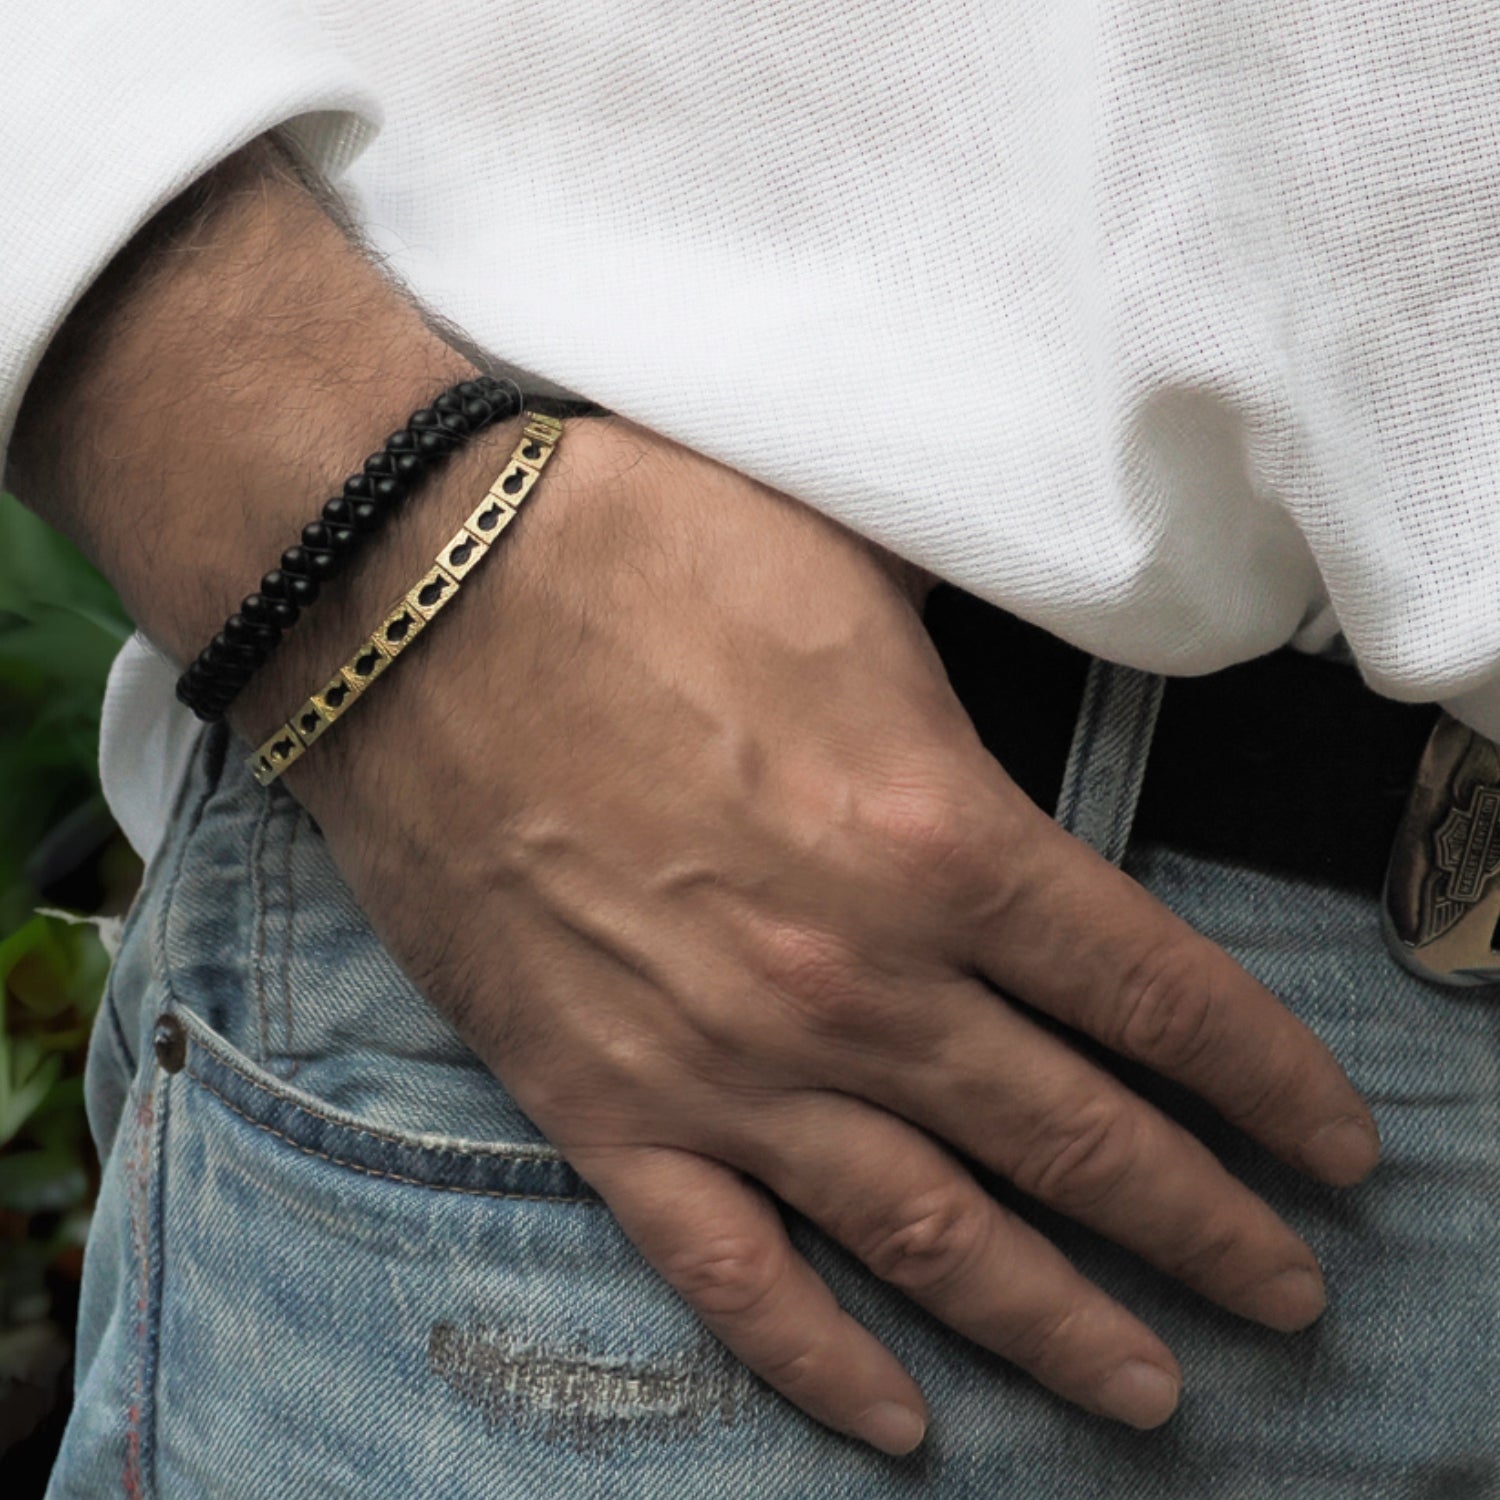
232, 366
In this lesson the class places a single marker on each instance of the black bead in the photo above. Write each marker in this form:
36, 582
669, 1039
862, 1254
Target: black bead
246, 658
279, 613
232, 676
505, 396
307, 562
249, 636
320, 536
301, 591
342, 514
244, 631
228, 651
295, 588
211, 705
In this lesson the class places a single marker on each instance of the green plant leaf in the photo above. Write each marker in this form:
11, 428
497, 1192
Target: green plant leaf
60, 655
52, 974
52, 965
25, 1081
40, 567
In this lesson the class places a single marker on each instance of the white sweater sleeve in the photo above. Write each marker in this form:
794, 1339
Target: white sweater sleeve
1172, 326
111, 107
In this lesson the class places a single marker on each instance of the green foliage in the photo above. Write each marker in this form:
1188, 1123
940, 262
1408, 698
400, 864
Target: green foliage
51, 976
60, 626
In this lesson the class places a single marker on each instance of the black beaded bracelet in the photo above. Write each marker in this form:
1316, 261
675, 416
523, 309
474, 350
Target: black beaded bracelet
368, 500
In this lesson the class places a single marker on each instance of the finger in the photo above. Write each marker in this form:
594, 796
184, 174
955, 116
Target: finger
722, 1246
1079, 939
1032, 1108
919, 1221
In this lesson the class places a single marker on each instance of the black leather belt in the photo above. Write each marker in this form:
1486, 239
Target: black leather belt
1287, 763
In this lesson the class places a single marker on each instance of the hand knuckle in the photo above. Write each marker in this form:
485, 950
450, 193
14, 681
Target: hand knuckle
819, 974
731, 1278
1168, 1010
1078, 1158
924, 1244
929, 834
600, 1059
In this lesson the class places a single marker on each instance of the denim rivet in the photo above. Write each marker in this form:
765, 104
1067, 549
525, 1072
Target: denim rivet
169, 1042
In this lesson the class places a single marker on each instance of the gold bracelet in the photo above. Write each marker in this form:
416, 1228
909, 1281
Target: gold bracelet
409, 615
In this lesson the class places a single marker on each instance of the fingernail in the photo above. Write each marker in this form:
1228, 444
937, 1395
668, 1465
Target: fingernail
892, 1428
1290, 1301
1139, 1393
1342, 1153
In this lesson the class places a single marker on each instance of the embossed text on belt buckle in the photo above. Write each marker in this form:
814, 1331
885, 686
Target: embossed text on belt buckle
1442, 886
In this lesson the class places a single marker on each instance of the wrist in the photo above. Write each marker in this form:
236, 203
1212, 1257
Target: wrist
436, 704
311, 654
213, 389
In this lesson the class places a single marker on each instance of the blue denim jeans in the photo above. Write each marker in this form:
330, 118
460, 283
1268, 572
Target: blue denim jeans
332, 1258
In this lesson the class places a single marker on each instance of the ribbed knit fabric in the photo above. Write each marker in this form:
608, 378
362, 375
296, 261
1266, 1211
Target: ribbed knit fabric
1173, 327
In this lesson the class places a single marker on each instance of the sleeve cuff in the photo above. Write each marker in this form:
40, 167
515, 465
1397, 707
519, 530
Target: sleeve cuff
112, 109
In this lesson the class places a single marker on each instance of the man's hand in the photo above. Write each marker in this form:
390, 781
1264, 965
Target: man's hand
675, 814
677, 817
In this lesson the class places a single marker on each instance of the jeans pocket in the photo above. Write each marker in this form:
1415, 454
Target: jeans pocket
343, 1309
331, 1256
259, 935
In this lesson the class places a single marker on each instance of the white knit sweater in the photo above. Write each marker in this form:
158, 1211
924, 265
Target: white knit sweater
1171, 325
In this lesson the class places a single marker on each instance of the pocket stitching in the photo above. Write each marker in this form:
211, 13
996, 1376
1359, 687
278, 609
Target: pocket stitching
477, 1151
354, 1166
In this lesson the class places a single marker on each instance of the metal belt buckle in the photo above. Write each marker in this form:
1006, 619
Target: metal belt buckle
1442, 897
